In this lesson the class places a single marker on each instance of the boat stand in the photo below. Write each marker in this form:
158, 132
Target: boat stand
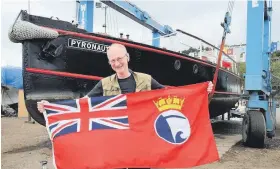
30, 120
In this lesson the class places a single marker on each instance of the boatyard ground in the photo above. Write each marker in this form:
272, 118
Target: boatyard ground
240, 157
25, 145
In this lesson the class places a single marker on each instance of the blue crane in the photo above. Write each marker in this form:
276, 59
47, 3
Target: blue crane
260, 119
86, 15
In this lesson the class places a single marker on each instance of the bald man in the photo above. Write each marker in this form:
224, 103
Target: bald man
124, 80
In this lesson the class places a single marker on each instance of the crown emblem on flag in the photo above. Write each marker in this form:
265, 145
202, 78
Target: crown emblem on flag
170, 102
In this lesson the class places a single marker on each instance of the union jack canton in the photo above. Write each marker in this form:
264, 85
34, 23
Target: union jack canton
86, 114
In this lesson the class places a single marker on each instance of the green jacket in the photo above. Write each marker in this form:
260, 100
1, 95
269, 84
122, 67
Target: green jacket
111, 86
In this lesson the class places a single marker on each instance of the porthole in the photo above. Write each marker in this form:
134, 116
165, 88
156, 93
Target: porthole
195, 69
177, 64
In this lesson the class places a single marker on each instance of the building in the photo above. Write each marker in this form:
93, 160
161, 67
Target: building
236, 52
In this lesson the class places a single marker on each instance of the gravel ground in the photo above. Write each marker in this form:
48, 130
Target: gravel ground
25, 145
240, 157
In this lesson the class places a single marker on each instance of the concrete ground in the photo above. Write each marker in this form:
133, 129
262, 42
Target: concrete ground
25, 145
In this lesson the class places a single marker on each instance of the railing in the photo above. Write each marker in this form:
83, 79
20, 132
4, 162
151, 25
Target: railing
196, 47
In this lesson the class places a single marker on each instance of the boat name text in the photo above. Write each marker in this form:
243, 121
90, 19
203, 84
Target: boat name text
81, 44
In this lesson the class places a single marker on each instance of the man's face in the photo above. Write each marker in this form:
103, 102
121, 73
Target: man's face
118, 60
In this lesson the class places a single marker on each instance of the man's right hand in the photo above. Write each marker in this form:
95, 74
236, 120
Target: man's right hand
40, 105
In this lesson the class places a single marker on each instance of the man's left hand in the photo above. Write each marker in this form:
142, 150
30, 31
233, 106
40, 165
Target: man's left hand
210, 87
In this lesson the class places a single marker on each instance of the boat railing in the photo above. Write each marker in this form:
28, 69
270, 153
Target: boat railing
196, 47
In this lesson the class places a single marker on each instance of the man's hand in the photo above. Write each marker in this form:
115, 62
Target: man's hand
40, 105
210, 87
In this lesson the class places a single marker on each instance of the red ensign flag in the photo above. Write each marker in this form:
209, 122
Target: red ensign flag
166, 128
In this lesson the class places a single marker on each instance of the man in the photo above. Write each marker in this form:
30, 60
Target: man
124, 81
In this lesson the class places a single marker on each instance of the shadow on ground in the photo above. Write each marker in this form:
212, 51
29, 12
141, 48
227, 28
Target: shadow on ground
44, 144
227, 127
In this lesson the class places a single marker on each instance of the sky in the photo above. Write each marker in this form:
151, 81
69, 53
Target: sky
201, 18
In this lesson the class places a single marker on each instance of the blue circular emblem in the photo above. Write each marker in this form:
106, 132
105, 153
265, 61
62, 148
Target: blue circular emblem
173, 127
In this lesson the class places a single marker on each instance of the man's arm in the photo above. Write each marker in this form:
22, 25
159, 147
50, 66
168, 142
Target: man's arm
156, 85
96, 91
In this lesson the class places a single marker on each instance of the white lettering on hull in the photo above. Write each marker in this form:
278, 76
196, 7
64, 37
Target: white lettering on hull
81, 44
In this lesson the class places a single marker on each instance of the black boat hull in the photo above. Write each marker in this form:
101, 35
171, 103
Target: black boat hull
69, 66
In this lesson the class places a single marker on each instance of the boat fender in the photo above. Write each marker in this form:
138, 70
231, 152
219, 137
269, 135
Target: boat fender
23, 30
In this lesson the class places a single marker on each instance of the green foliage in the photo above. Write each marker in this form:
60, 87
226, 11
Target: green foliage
275, 68
275, 65
276, 54
242, 70
190, 50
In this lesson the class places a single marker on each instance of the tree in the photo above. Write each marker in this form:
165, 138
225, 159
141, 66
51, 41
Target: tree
190, 50
208, 49
276, 54
242, 70
275, 65
275, 68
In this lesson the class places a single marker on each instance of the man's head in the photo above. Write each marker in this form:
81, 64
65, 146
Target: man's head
118, 58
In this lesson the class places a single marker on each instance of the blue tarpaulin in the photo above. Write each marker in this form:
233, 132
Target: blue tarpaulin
12, 77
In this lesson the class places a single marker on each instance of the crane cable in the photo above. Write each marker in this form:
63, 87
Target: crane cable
225, 25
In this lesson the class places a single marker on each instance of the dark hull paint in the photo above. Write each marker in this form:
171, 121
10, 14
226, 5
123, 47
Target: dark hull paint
167, 67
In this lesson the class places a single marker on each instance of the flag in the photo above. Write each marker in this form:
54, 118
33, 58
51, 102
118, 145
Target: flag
165, 128
226, 64
230, 51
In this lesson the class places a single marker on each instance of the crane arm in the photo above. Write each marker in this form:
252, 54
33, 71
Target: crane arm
133, 12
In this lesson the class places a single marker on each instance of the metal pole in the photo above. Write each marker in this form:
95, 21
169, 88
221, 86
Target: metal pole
105, 18
77, 8
28, 10
44, 164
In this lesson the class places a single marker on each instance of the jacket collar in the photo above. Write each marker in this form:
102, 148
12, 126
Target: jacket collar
114, 79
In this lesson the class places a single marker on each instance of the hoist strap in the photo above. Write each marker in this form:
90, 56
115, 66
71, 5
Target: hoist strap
225, 25
215, 78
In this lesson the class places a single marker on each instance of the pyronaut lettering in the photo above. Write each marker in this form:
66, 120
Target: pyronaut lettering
81, 44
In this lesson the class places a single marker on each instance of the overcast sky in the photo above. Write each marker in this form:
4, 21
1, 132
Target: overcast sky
198, 17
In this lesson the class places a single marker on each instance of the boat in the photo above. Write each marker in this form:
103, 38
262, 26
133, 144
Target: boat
62, 61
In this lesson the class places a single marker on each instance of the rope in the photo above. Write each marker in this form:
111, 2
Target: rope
230, 7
